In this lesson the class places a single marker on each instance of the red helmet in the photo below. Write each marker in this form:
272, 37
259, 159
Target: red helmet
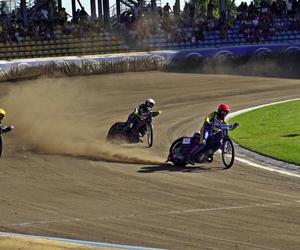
224, 107
223, 110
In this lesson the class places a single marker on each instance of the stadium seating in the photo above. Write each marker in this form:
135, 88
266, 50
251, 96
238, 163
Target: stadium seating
213, 39
63, 45
106, 43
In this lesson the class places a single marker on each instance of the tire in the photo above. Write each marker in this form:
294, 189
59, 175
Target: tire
114, 131
149, 132
174, 143
177, 162
228, 153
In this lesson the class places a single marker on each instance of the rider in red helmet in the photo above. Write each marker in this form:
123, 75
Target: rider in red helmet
209, 129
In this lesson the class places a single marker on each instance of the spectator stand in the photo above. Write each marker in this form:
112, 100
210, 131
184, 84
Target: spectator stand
47, 32
136, 20
264, 24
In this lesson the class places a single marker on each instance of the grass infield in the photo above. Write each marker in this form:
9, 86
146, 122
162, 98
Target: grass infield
273, 131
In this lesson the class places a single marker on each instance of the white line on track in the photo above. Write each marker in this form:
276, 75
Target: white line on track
251, 163
196, 210
233, 114
273, 204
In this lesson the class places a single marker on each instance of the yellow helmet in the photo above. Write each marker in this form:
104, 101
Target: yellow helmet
2, 112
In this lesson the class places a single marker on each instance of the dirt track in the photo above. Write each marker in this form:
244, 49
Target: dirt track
58, 178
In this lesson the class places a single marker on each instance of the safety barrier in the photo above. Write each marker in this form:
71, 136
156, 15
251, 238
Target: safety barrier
134, 62
219, 54
85, 65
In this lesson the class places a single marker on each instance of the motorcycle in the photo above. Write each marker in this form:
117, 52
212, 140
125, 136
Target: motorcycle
180, 148
118, 132
4, 129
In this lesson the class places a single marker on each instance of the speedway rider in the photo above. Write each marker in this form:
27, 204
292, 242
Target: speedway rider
208, 129
3, 128
140, 113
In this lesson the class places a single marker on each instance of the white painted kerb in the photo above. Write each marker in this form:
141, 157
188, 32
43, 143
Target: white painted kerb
249, 162
236, 113
81, 242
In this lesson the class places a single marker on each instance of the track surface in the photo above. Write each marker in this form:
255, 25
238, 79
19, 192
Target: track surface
58, 178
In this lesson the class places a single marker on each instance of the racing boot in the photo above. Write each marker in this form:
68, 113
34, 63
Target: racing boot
191, 158
140, 137
128, 128
193, 152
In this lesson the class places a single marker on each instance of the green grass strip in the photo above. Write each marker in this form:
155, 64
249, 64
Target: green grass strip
273, 131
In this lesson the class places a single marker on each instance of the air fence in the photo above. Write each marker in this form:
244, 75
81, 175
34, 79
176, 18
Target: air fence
146, 61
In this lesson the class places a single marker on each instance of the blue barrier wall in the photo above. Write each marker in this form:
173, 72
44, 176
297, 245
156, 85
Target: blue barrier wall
241, 51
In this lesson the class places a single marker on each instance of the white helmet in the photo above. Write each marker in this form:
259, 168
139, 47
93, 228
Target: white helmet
150, 103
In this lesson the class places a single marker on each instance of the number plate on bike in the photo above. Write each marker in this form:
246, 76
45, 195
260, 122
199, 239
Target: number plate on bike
186, 141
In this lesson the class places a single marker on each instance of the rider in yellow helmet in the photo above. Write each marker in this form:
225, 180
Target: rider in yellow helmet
3, 128
2, 114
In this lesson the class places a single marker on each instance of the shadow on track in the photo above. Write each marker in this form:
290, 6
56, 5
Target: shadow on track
171, 168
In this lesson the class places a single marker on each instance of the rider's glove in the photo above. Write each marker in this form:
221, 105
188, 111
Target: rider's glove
5, 129
159, 111
236, 124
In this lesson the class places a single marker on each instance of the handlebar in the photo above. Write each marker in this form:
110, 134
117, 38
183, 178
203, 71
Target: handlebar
5, 129
155, 113
225, 126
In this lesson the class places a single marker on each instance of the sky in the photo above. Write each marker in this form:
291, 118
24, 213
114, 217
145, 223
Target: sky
86, 4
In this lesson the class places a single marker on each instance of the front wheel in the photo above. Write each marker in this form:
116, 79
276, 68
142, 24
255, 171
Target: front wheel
149, 132
228, 153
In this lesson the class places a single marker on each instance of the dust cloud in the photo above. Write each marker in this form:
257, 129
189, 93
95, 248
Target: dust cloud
69, 117
271, 65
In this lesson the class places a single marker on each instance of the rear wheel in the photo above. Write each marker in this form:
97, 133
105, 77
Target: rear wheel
115, 132
228, 153
176, 149
174, 144
149, 132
